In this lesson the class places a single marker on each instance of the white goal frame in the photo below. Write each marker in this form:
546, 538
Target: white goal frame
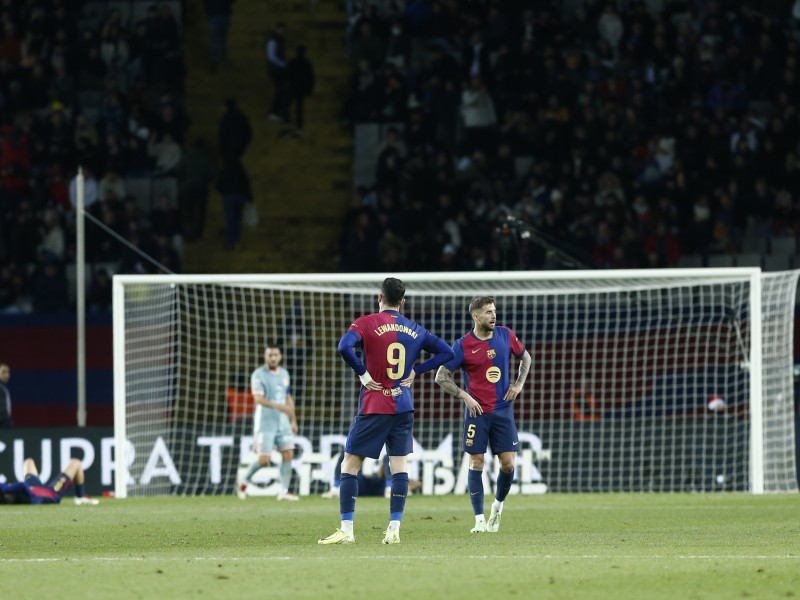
483, 280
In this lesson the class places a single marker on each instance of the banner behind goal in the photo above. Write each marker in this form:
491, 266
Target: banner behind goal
668, 380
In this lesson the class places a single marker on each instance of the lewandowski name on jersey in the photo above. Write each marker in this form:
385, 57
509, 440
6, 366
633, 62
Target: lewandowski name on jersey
391, 344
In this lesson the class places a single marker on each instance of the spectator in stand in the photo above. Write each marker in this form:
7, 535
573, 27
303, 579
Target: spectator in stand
219, 19
132, 261
162, 31
49, 287
17, 300
398, 46
98, 297
277, 71
234, 186
165, 253
7, 297
196, 172
165, 220
359, 243
363, 104
300, 75
114, 48
480, 118
166, 153
665, 244
132, 214
368, 45
112, 187
23, 234
100, 246
90, 189
235, 132
170, 118
52, 245
5, 396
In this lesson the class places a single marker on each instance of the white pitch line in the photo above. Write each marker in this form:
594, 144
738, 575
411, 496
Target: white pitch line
394, 556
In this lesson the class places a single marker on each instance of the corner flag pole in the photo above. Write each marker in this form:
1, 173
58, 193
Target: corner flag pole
80, 295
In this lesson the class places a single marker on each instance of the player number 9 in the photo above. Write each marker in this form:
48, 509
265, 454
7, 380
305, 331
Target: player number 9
398, 361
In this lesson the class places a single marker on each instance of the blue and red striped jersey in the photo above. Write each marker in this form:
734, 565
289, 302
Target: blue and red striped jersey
485, 364
391, 345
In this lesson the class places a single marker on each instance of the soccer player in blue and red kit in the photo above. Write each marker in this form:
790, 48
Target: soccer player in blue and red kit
391, 345
484, 357
33, 491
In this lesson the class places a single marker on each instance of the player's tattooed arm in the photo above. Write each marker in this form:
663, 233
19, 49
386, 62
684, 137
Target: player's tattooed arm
444, 377
524, 367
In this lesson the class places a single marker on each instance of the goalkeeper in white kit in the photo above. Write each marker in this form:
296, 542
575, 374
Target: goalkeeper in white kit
274, 421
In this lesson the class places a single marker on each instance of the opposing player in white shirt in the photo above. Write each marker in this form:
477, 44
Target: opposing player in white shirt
274, 421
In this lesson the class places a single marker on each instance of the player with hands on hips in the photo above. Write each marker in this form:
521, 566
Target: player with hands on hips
484, 357
390, 345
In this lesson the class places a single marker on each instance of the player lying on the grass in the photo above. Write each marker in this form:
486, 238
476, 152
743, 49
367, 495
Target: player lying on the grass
483, 355
33, 491
391, 344
380, 483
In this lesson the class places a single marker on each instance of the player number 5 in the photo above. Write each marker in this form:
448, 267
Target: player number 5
398, 361
471, 431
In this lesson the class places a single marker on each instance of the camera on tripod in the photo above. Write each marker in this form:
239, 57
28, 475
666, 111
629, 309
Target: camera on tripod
509, 230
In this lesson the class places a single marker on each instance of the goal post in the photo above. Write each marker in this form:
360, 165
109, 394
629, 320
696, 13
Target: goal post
641, 380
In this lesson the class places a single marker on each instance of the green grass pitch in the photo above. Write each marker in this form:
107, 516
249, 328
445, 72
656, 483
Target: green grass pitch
642, 546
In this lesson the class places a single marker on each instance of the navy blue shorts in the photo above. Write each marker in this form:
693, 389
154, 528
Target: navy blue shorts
48, 493
496, 429
369, 433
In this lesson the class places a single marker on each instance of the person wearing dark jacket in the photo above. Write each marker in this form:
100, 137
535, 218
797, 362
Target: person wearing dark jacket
219, 19
301, 84
195, 174
234, 186
5, 396
277, 69
235, 132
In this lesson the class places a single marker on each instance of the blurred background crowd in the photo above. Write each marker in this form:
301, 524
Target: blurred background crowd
101, 91
489, 134
522, 135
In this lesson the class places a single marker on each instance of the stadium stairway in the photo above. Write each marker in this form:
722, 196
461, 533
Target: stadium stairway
301, 186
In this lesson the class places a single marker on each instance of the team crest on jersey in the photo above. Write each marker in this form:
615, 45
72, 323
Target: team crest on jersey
469, 442
491, 353
285, 381
493, 374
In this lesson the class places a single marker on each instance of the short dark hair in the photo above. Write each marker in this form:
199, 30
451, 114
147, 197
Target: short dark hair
393, 291
479, 302
271, 346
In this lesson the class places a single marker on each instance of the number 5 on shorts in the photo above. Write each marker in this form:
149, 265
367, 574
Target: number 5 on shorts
471, 431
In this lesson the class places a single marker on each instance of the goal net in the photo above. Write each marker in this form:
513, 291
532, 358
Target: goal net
668, 380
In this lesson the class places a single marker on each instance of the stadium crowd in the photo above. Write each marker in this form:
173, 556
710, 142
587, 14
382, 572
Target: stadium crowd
513, 133
624, 133
84, 84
